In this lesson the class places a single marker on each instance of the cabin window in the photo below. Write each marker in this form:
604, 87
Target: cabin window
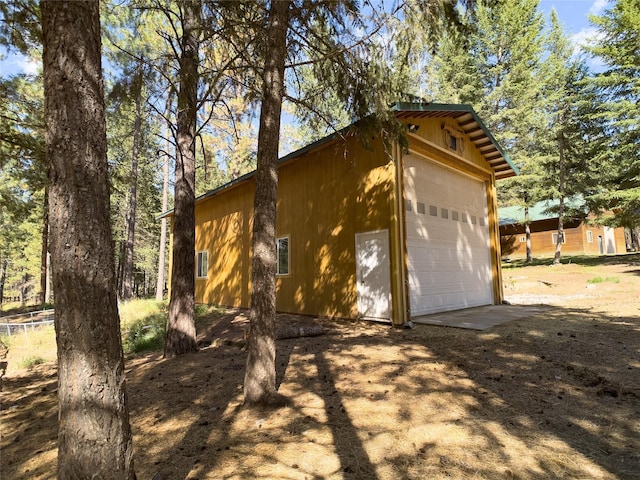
554, 238
453, 143
474, 220
454, 215
523, 239
433, 210
202, 264
444, 212
282, 248
481, 221
421, 207
407, 205
464, 218
589, 236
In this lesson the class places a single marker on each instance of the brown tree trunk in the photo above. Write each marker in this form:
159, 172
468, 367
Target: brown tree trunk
260, 374
45, 247
3, 276
181, 328
127, 270
165, 205
561, 174
527, 232
94, 437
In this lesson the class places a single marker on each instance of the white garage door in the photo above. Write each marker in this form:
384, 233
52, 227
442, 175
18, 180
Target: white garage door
447, 239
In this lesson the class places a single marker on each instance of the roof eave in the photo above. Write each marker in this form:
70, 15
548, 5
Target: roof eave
462, 108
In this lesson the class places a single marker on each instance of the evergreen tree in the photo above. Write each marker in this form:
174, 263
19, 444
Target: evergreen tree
23, 187
619, 88
94, 436
260, 373
181, 328
561, 166
494, 65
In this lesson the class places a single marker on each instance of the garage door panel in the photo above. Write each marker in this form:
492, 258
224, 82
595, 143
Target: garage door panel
448, 244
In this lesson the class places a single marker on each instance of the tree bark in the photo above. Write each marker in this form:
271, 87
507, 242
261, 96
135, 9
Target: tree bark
94, 436
260, 374
44, 252
181, 328
165, 205
127, 271
561, 174
48, 297
3, 277
527, 232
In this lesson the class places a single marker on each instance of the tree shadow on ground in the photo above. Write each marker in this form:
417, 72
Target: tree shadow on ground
583, 260
551, 396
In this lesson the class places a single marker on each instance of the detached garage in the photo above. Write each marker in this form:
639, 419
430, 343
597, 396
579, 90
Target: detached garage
380, 232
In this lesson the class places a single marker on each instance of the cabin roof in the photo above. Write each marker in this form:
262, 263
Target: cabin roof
469, 121
544, 210
465, 115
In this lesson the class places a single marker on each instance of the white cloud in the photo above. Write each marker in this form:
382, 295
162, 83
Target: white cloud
28, 65
15, 63
598, 6
588, 36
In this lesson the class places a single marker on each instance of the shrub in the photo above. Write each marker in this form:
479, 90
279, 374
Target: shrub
145, 334
604, 279
32, 361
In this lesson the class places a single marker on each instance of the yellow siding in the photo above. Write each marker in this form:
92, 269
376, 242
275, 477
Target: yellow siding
431, 131
331, 194
223, 228
494, 232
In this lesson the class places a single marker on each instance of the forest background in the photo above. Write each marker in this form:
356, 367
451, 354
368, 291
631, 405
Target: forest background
571, 129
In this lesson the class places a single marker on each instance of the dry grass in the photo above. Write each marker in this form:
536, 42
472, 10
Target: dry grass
555, 395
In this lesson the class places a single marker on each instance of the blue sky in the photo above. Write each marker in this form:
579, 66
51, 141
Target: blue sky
572, 13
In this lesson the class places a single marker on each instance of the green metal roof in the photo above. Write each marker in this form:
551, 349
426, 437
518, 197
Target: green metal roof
466, 117
540, 211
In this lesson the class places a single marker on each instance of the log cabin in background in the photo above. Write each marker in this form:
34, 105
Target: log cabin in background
581, 235
378, 232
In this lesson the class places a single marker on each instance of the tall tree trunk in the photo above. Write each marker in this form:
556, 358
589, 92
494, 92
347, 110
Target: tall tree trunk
22, 289
44, 252
527, 233
181, 328
561, 175
48, 298
260, 374
94, 436
635, 239
3, 276
165, 205
127, 271
122, 247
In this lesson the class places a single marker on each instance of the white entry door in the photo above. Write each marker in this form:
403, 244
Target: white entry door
373, 275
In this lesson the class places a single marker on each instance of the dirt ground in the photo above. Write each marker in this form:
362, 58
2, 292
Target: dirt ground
552, 396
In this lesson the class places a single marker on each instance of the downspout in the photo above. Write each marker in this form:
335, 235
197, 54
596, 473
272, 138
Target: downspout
402, 317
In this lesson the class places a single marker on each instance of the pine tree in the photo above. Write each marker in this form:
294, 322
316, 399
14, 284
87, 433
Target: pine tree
565, 167
181, 328
260, 374
496, 68
94, 439
23, 186
619, 88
